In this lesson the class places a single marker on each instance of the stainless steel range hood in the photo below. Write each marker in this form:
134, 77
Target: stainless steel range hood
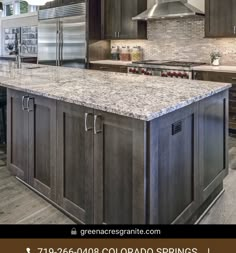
167, 9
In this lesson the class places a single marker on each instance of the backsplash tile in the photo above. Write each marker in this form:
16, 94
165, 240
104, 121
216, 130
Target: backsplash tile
182, 39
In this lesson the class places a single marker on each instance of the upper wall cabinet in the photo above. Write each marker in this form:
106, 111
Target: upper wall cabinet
57, 3
220, 18
117, 20
51, 4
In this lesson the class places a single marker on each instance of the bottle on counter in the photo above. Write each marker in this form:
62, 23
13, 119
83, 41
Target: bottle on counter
115, 54
125, 54
136, 54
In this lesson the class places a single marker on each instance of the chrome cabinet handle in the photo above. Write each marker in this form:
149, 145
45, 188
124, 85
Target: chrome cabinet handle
96, 131
23, 103
234, 29
86, 122
118, 34
28, 104
115, 34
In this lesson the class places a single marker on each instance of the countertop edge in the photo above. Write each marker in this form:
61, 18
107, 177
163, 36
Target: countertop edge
147, 118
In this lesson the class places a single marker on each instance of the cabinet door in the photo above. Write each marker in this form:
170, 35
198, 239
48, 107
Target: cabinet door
68, 2
111, 18
51, 4
233, 11
174, 176
75, 161
42, 143
119, 170
219, 18
110, 68
17, 135
200, 75
131, 29
213, 149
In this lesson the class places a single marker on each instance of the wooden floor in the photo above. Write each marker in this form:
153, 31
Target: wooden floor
20, 205
224, 210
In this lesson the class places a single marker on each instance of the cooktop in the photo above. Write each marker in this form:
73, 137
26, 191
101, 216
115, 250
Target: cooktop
170, 63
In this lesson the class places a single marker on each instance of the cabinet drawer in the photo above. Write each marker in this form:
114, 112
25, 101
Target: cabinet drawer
222, 77
111, 68
233, 88
232, 94
232, 106
232, 121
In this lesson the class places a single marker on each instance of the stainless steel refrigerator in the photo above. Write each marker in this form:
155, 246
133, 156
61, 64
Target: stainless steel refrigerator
62, 36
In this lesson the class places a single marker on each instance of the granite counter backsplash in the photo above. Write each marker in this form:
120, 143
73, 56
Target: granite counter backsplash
140, 97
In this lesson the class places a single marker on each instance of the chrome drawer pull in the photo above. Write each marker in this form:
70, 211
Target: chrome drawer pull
86, 122
95, 124
23, 103
28, 104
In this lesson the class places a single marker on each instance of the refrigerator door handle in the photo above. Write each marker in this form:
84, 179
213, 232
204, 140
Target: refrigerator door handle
57, 44
61, 43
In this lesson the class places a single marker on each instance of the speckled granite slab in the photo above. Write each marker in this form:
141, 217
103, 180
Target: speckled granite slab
136, 96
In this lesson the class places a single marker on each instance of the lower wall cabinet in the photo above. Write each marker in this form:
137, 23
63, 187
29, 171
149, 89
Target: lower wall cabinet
75, 161
99, 179
213, 143
32, 140
109, 67
174, 171
223, 77
119, 169
88, 162
104, 168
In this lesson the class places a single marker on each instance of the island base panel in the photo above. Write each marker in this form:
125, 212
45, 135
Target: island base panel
112, 169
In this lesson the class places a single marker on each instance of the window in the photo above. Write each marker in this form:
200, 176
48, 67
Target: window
9, 9
23, 7
17, 7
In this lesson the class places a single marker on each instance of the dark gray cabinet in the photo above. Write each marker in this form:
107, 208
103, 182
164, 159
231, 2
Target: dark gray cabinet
32, 140
109, 67
188, 160
99, 179
224, 78
111, 12
220, 18
213, 145
104, 168
68, 2
57, 3
51, 4
174, 168
119, 169
42, 143
117, 20
17, 135
75, 161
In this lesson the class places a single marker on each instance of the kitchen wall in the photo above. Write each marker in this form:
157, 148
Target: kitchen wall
183, 39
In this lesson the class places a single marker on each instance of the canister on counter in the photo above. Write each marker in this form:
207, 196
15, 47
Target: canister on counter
125, 54
115, 53
136, 54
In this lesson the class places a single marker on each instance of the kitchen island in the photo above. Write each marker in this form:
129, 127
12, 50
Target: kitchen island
112, 148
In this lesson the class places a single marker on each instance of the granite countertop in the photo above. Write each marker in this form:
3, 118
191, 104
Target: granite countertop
111, 62
136, 96
221, 68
